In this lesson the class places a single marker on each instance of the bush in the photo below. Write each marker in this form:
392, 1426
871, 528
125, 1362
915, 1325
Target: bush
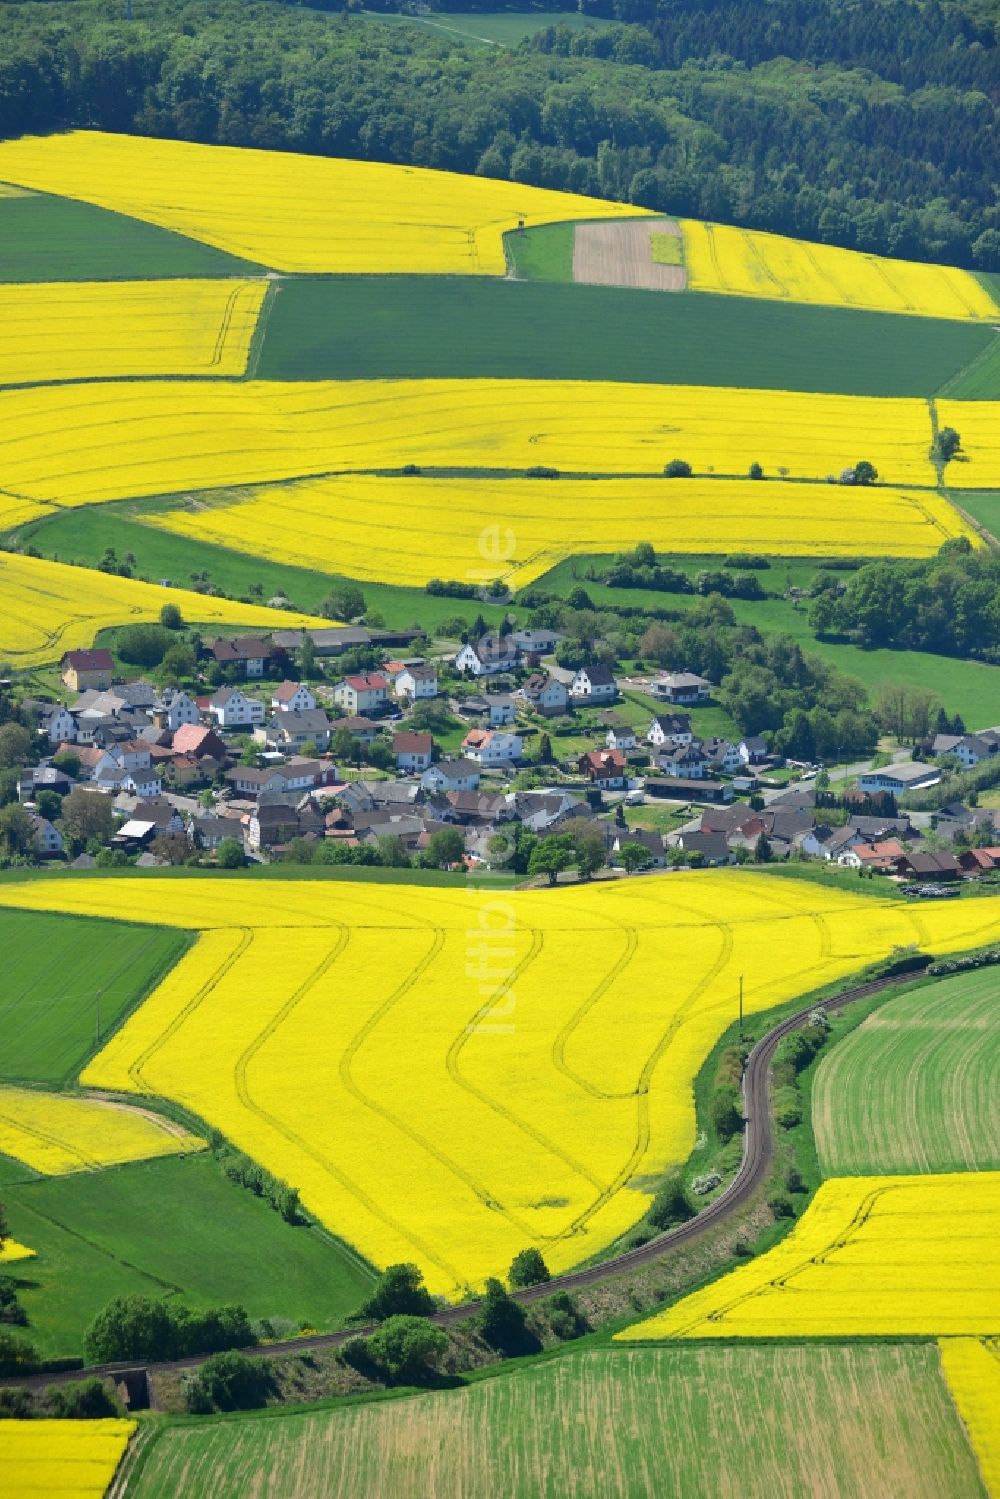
137, 1327
702, 1185
230, 854
11, 1309
81, 1400
144, 645
677, 468
246, 1173
400, 1291
670, 1205
726, 1112
781, 1206
528, 1269
16, 1403
503, 1322
229, 1382
787, 1106
565, 1317
408, 1347
16, 1355
171, 617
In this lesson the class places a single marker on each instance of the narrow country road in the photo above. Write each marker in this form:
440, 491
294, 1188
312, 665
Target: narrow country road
758, 1150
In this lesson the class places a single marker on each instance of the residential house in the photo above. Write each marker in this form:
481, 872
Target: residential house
670, 728
681, 789
451, 775
173, 709
656, 853
681, 687
882, 857
902, 776
545, 811
83, 669
723, 756
202, 743
55, 722
413, 752
930, 865
209, 831
46, 840
492, 748
681, 760
281, 816
292, 730
416, 683
233, 709
365, 693
713, 847
297, 775
874, 829
247, 653
500, 706
753, 750
42, 778
606, 768
537, 642
487, 656
135, 834
594, 683
967, 749
621, 738
546, 695
831, 843
158, 810
292, 697
979, 860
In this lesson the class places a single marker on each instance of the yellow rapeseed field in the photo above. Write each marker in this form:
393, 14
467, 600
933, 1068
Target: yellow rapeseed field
48, 607
751, 263
17, 512
79, 330
978, 425
56, 1133
431, 1068
972, 1369
60, 1459
410, 530
872, 1256
11, 1250
84, 444
298, 213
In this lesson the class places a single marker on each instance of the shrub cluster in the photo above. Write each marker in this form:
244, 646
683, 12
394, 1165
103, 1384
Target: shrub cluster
246, 1173
141, 1328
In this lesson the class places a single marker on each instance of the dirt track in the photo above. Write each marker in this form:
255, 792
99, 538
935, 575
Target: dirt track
618, 254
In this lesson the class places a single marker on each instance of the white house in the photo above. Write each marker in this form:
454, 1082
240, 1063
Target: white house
416, 682
412, 751
486, 657
57, 723
722, 755
46, 839
492, 747
174, 709
364, 693
910, 775
451, 775
232, 709
501, 709
545, 694
670, 728
621, 739
684, 760
536, 642
290, 731
292, 697
595, 684
829, 843
681, 687
142, 783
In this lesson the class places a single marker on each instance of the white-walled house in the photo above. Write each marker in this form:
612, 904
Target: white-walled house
594, 684
46, 839
292, 697
414, 683
501, 709
451, 775
364, 693
622, 738
173, 709
682, 687
492, 747
413, 751
58, 724
486, 657
670, 728
546, 695
232, 709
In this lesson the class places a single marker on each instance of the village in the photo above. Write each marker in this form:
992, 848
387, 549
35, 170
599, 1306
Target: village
451, 759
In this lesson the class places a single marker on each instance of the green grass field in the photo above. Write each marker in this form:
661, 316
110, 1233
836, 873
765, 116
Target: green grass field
980, 380
915, 1088
544, 253
58, 239
971, 688
982, 504
352, 327
175, 1228
56, 969
607, 1424
503, 29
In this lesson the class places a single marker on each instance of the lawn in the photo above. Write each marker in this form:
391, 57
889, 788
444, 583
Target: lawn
58, 971
44, 238
83, 535
979, 380
355, 327
606, 1424
176, 1228
982, 504
544, 253
915, 1088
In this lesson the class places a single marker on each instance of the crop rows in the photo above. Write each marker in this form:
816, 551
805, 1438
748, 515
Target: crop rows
55, 1133
752, 263
298, 213
474, 1069
61, 1459
414, 529
83, 330
884, 1256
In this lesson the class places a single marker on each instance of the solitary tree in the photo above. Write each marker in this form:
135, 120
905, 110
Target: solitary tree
503, 1321
947, 444
528, 1269
408, 1347
677, 468
550, 856
230, 854
633, 856
400, 1290
865, 472
171, 617
756, 472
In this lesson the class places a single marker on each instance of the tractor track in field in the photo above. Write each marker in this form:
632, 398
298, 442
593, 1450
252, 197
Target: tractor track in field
758, 1149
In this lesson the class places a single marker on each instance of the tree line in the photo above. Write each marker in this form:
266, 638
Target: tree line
871, 131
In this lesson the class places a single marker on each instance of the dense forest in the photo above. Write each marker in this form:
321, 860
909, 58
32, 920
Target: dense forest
867, 123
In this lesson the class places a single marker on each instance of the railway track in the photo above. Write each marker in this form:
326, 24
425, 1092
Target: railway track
758, 1151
